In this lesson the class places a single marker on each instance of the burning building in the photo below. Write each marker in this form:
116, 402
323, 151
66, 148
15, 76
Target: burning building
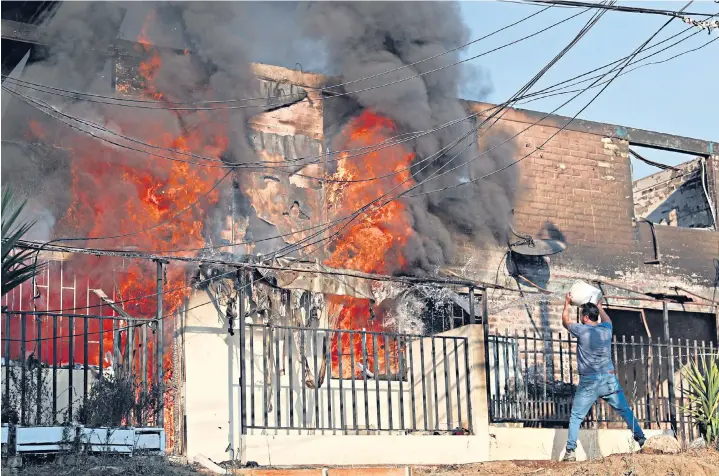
341, 225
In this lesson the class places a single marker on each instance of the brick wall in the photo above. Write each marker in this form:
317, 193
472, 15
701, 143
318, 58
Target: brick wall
580, 185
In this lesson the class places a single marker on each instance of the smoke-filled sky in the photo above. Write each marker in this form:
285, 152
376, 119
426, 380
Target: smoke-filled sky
638, 99
356, 40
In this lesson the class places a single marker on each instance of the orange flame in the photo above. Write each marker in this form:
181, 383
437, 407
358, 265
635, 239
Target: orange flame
116, 191
374, 242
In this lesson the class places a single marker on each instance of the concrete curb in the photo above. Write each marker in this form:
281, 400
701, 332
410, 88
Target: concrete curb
366, 471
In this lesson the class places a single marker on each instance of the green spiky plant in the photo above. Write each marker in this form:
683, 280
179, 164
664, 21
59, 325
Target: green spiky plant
702, 392
18, 265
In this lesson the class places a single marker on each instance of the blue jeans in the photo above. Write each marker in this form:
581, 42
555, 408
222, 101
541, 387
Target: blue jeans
606, 387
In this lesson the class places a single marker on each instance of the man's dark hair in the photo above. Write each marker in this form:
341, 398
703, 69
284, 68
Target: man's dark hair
591, 311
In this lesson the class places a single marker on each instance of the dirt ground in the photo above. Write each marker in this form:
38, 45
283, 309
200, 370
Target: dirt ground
691, 463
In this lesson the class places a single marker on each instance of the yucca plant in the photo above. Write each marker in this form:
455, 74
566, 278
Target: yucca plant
702, 393
17, 265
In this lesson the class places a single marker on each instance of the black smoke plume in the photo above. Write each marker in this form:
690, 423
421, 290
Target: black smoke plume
366, 38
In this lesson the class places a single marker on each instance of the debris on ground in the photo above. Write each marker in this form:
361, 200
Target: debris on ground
662, 445
698, 444
691, 463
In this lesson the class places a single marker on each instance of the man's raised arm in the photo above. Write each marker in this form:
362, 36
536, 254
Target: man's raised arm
603, 316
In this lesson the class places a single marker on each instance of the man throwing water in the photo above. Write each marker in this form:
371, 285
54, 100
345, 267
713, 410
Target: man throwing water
596, 372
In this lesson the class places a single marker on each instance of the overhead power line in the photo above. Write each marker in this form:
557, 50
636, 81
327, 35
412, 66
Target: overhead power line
229, 245
327, 89
373, 204
619, 8
637, 51
352, 216
708, 25
516, 95
116, 101
335, 234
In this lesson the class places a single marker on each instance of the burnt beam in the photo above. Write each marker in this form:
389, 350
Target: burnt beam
639, 137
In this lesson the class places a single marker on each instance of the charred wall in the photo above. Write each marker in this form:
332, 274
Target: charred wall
674, 197
578, 188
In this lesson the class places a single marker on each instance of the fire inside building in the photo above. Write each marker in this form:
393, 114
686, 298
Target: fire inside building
307, 279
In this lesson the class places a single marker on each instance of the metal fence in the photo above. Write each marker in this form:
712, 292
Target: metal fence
532, 380
299, 380
51, 361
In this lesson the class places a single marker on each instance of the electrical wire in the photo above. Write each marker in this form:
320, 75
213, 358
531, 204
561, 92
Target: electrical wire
559, 130
536, 78
236, 166
235, 244
280, 163
352, 216
391, 83
620, 8
136, 298
555, 87
586, 105
141, 323
552, 136
325, 89
249, 165
629, 70
243, 242
593, 20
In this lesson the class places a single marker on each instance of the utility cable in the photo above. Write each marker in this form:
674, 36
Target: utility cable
336, 221
641, 47
328, 88
620, 8
533, 81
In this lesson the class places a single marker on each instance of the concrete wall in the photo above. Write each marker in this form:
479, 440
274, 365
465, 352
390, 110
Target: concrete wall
549, 444
211, 386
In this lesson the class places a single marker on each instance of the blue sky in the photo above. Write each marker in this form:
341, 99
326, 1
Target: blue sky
680, 97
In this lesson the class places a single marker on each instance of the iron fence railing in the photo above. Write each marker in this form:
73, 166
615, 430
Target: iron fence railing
532, 380
297, 379
50, 361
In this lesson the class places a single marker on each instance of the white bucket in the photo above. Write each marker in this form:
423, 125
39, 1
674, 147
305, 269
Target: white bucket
583, 293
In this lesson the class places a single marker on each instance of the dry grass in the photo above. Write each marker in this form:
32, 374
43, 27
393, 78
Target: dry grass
691, 463
104, 466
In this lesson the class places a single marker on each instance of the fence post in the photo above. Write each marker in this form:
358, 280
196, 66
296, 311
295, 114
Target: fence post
23, 362
487, 369
669, 341
6, 334
241, 324
38, 346
160, 342
472, 316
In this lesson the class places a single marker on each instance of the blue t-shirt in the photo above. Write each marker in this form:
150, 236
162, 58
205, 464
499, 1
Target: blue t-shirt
594, 349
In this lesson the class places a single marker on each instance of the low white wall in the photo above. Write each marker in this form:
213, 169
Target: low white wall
212, 410
549, 444
281, 450
211, 392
